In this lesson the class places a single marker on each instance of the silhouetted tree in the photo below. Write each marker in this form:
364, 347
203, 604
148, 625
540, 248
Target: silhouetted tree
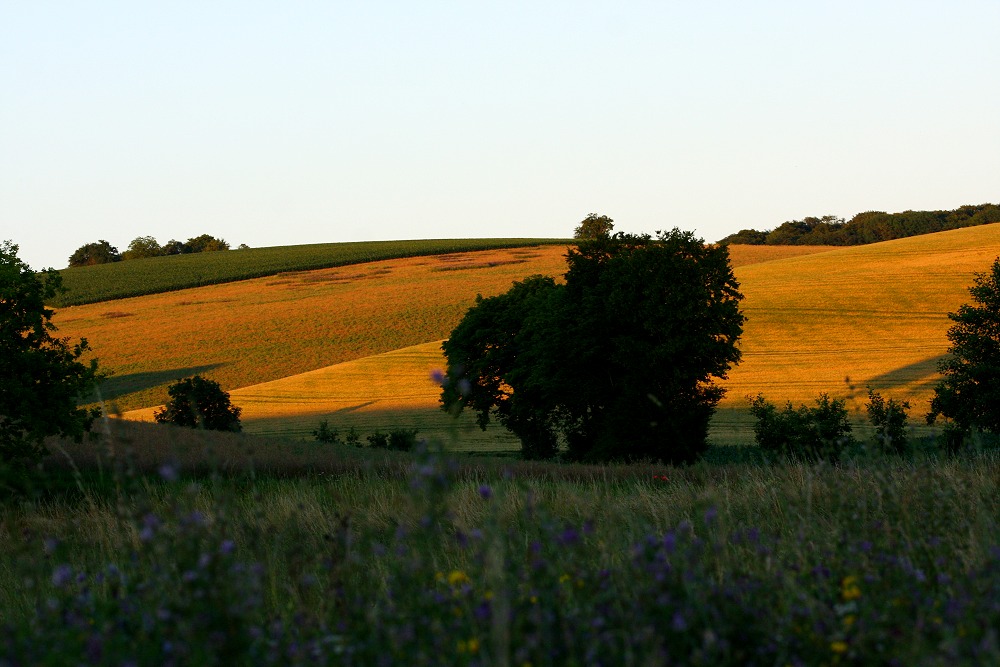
969, 393
617, 363
198, 402
41, 376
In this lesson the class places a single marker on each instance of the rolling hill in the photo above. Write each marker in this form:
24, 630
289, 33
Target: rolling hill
819, 320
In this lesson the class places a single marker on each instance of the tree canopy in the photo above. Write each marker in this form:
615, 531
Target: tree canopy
100, 252
594, 227
969, 393
867, 227
197, 402
617, 363
42, 376
142, 247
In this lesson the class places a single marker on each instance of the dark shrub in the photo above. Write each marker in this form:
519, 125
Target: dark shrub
378, 440
889, 419
402, 439
197, 402
822, 432
326, 434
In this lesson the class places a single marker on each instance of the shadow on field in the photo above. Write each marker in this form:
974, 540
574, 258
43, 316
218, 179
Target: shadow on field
918, 374
120, 385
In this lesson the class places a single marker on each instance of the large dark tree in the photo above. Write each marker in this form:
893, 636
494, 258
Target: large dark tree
101, 252
489, 367
969, 393
41, 376
617, 363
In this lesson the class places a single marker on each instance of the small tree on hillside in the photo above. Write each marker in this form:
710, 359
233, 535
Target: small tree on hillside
101, 252
206, 243
594, 227
969, 394
41, 376
198, 402
142, 247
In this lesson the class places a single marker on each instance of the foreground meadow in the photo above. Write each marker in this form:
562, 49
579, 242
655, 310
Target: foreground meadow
173, 548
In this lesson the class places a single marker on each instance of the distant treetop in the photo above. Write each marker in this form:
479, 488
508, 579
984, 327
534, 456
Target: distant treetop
867, 227
594, 227
141, 247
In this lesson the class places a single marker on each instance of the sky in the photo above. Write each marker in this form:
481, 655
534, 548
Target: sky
282, 123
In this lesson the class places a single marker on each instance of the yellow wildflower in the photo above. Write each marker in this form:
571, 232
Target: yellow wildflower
838, 647
467, 646
849, 589
849, 620
457, 578
563, 579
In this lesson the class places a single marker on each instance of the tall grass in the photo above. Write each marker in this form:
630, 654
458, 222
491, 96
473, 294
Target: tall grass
465, 562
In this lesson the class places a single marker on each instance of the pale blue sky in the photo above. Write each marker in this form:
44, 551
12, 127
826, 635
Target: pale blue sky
272, 123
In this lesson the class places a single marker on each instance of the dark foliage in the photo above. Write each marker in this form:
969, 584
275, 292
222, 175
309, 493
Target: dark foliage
327, 435
198, 402
867, 227
617, 363
378, 440
969, 393
206, 243
889, 419
819, 433
594, 227
101, 252
41, 376
403, 439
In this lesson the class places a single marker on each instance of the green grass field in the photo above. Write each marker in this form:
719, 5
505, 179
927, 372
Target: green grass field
173, 545
107, 282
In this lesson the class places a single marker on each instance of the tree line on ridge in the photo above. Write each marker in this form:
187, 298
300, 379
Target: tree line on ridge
867, 227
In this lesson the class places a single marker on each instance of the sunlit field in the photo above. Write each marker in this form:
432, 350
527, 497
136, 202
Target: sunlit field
253, 331
829, 320
152, 275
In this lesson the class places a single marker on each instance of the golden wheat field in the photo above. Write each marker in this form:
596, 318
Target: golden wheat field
253, 331
819, 319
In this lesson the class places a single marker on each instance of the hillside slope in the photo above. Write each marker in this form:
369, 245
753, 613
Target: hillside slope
154, 275
874, 314
253, 331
